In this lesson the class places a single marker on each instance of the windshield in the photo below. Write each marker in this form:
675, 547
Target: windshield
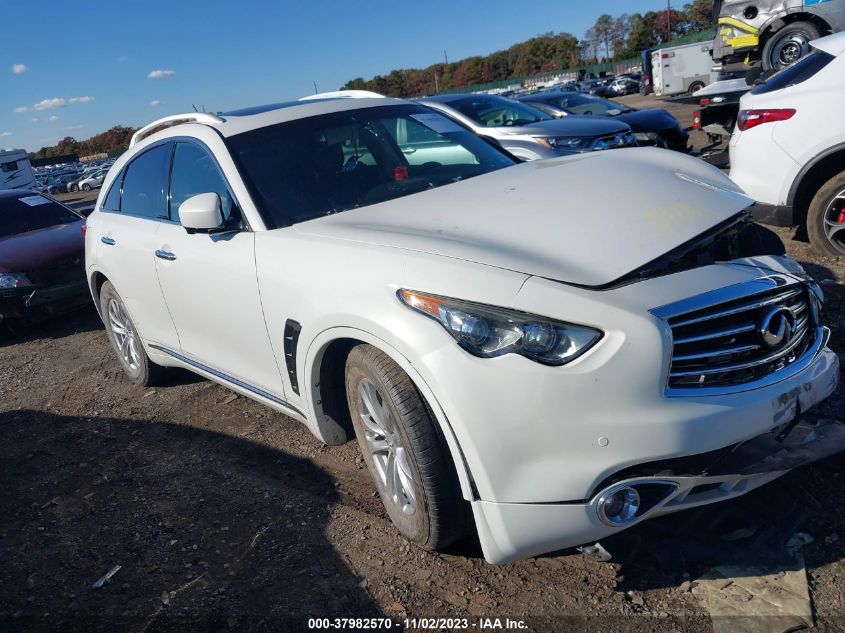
497, 112
316, 166
585, 104
30, 213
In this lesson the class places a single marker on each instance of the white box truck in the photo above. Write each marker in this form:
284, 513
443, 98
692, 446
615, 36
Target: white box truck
15, 170
682, 69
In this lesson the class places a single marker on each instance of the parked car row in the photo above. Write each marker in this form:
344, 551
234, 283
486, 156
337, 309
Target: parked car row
72, 178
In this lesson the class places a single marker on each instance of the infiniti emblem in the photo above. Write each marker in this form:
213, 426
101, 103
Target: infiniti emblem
776, 326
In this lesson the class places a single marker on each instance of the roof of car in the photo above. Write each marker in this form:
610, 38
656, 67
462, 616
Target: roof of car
246, 119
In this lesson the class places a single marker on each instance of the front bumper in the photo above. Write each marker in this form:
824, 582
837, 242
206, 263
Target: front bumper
20, 303
511, 531
542, 441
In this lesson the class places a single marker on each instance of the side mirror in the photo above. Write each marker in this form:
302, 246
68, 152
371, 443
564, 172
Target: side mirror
201, 213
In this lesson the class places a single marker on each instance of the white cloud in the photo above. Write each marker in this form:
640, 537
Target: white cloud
120, 60
74, 127
50, 104
20, 109
35, 119
53, 118
18, 68
80, 100
158, 74
155, 103
5, 133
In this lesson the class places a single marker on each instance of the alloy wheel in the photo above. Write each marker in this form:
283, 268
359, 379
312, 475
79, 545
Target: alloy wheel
834, 222
124, 335
386, 446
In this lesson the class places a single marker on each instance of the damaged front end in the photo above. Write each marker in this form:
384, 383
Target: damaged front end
670, 485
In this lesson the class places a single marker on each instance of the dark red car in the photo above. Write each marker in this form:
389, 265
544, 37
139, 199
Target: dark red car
42, 256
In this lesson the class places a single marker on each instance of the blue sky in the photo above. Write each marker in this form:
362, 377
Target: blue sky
76, 69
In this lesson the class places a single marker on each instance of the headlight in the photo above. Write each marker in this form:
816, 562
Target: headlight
570, 143
489, 331
14, 280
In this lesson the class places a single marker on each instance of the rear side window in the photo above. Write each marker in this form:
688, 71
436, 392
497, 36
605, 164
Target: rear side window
195, 172
143, 184
30, 213
112, 201
797, 73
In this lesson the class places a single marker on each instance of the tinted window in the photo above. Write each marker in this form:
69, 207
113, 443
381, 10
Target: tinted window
10, 166
143, 184
497, 112
799, 72
311, 167
195, 172
30, 213
112, 201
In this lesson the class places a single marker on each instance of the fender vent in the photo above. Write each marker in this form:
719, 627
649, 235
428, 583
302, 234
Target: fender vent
292, 329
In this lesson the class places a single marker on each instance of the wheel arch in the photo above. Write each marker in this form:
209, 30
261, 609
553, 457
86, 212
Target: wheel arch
325, 393
96, 279
811, 177
775, 25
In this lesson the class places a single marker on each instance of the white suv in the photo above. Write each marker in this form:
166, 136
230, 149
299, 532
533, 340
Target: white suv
516, 356
788, 148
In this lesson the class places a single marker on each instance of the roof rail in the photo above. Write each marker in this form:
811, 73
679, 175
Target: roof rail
190, 117
345, 94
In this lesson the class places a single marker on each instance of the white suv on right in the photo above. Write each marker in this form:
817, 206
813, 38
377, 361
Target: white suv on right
788, 149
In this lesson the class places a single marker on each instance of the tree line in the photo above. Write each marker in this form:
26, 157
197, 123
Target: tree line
115, 139
609, 39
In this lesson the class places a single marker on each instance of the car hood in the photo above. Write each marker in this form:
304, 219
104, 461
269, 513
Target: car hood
651, 120
32, 250
569, 126
556, 218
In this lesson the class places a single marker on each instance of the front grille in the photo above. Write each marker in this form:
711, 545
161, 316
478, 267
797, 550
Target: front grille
741, 340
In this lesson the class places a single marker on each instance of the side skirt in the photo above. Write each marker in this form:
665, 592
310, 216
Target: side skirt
233, 383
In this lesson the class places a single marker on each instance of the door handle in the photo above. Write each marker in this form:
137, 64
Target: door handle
108, 241
409, 150
165, 255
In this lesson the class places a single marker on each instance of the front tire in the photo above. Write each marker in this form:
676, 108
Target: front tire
404, 451
125, 341
788, 45
86, 187
826, 218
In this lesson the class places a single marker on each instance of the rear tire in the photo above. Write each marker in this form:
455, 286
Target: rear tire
74, 188
125, 341
86, 187
827, 235
695, 86
788, 45
404, 451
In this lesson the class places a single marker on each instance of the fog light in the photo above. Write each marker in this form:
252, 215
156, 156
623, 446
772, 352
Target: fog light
619, 507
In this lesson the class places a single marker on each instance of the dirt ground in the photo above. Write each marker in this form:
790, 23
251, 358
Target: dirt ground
224, 515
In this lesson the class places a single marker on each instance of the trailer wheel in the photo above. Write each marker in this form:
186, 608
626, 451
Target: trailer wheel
788, 45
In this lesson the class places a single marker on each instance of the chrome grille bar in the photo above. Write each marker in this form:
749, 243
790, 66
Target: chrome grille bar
740, 335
